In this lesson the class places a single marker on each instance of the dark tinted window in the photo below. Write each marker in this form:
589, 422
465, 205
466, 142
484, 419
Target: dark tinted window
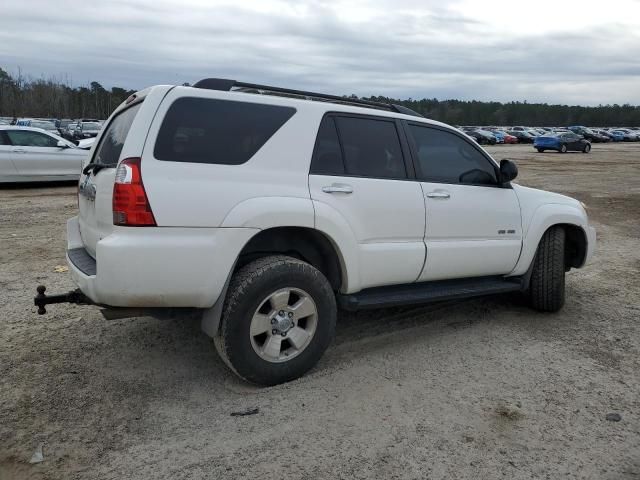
371, 147
327, 155
25, 138
449, 158
202, 130
112, 141
4, 140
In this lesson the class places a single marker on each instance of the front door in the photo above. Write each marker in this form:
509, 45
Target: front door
359, 174
473, 225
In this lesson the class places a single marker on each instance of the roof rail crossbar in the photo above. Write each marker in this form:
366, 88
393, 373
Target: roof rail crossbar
227, 85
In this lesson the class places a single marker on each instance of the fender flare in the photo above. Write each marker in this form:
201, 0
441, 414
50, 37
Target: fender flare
544, 217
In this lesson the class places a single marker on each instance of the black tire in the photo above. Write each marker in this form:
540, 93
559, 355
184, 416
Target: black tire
563, 148
540, 150
586, 149
248, 288
546, 288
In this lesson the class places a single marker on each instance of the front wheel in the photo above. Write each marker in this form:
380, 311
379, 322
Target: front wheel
278, 319
586, 149
540, 150
546, 287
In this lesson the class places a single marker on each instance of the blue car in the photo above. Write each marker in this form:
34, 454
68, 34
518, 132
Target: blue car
499, 135
561, 142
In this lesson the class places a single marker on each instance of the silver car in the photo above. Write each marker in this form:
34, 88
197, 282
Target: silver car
32, 155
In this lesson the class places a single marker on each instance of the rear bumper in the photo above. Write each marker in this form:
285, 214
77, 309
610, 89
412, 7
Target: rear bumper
156, 266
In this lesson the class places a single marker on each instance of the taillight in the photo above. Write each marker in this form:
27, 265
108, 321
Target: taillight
130, 203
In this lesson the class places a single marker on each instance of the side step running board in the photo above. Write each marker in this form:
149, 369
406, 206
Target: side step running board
416, 293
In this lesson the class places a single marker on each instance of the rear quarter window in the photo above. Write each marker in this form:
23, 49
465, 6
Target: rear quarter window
204, 130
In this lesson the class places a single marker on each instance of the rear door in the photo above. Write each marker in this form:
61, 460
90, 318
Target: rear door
359, 170
473, 225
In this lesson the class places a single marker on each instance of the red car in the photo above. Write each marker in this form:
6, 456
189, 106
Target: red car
510, 139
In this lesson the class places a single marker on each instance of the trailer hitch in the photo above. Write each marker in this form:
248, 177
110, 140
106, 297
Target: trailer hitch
74, 296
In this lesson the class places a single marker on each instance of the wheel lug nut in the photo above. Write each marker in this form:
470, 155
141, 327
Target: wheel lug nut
274, 331
284, 334
290, 314
281, 313
273, 321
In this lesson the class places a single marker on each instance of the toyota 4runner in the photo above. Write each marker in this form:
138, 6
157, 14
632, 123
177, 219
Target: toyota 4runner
266, 208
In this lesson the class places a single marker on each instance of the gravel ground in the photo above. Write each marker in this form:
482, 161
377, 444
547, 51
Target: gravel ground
483, 388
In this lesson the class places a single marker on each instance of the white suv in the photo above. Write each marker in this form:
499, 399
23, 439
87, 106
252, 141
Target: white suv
266, 208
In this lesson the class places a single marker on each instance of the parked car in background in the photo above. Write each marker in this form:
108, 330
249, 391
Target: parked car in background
522, 136
629, 135
69, 131
533, 133
30, 154
562, 142
612, 135
483, 137
499, 135
61, 125
86, 130
586, 133
510, 138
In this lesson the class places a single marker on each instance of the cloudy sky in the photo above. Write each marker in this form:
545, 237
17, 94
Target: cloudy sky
557, 51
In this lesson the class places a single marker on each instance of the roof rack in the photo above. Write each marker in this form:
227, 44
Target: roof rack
227, 85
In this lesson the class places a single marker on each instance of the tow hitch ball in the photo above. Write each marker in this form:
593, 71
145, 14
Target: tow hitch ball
74, 296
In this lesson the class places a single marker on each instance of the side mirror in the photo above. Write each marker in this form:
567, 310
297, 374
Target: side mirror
508, 171
62, 144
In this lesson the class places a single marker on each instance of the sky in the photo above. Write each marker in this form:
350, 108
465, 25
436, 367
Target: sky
554, 51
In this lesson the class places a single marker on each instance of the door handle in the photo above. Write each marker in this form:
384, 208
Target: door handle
440, 195
338, 188
19, 150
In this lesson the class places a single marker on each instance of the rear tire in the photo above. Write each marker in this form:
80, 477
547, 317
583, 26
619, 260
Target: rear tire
271, 291
540, 150
563, 148
546, 288
586, 149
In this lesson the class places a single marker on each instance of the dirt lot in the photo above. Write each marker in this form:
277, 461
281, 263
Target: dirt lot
483, 388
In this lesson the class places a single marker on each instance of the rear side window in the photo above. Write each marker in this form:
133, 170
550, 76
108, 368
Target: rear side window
203, 130
112, 141
327, 156
448, 158
371, 148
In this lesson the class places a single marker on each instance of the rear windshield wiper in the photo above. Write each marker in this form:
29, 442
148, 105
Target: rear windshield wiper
96, 167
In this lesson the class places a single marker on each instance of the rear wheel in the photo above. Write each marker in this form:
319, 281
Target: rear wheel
586, 149
279, 318
563, 148
540, 150
546, 288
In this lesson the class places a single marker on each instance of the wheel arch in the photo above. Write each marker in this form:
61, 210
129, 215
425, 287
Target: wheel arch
549, 215
304, 243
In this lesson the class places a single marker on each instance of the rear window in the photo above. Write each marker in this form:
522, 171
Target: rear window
203, 130
112, 141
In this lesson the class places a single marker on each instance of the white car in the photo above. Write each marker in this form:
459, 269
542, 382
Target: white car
264, 212
32, 155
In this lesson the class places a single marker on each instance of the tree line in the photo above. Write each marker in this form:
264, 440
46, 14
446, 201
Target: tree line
459, 112
22, 96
